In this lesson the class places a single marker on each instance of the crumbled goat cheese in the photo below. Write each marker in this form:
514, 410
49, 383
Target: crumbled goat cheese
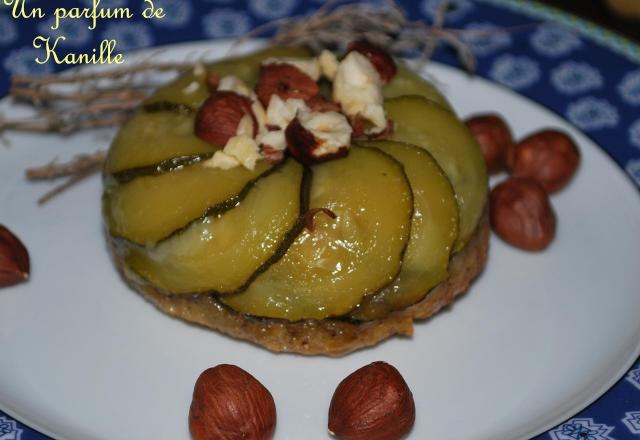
192, 88
275, 139
244, 149
232, 83
245, 126
328, 64
331, 129
310, 66
239, 150
221, 160
358, 88
281, 112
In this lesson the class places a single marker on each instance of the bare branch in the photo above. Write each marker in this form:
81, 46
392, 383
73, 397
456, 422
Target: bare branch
76, 170
78, 165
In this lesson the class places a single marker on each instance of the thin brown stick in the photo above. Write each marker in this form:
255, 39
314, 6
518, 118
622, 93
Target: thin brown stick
78, 165
71, 181
62, 126
68, 102
65, 78
64, 121
78, 169
38, 96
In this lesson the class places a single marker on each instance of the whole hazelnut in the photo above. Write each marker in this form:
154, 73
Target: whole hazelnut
230, 404
286, 81
218, 118
372, 403
14, 259
548, 156
494, 137
521, 214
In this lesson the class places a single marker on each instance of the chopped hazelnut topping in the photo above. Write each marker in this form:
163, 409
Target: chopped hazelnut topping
331, 129
232, 83
358, 88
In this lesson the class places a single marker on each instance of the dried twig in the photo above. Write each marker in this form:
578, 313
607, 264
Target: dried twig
68, 184
78, 164
385, 25
97, 75
81, 167
68, 102
66, 121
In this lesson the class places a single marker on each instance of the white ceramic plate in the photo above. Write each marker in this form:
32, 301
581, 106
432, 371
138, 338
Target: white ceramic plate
538, 337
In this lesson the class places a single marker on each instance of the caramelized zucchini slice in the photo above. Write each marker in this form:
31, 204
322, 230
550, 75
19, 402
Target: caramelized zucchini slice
191, 90
150, 138
434, 228
224, 252
421, 122
408, 82
151, 208
326, 272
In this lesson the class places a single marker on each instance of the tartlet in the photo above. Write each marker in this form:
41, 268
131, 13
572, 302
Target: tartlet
262, 197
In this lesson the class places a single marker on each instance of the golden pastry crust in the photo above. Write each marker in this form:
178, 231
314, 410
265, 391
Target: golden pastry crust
332, 337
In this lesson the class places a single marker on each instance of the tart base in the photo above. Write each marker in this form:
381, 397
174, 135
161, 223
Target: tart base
331, 337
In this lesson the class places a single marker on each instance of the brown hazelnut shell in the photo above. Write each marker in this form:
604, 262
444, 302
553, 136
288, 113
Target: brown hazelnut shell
230, 404
548, 156
494, 137
521, 214
14, 259
372, 403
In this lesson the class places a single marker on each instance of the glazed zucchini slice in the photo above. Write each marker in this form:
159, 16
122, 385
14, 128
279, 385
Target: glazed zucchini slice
326, 272
152, 137
191, 90
222, 253
421, 122
408, 82
151, 208
434, 228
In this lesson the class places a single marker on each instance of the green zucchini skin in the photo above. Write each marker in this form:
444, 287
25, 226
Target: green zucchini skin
165, 166
291, 235
168, 106
124, 247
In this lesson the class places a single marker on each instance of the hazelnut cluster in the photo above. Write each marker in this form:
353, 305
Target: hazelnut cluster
372, 403
286, 111
540, 164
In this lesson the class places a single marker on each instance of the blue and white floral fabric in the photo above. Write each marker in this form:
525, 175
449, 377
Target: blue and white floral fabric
588, 76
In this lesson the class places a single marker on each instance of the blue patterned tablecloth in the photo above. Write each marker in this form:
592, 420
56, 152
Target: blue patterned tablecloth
583, 73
